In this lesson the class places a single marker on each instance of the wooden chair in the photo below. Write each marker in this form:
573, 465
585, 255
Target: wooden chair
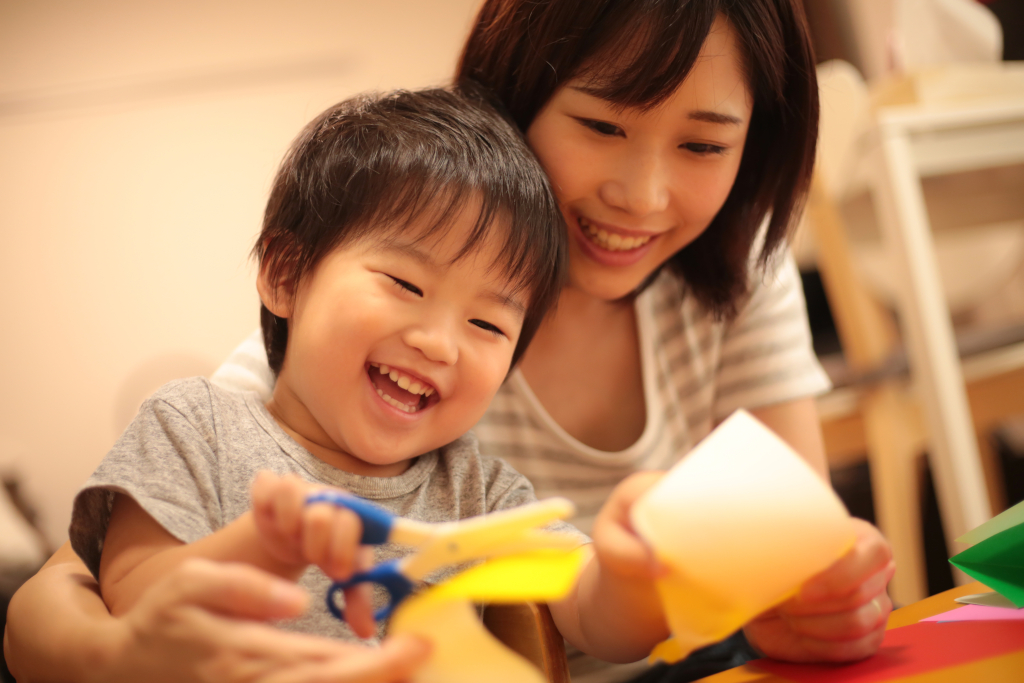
529, 630
879, 414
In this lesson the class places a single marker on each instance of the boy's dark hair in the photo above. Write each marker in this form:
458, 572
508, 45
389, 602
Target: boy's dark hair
638, 52
378, 161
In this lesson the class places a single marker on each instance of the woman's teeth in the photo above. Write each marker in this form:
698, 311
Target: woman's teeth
612, 241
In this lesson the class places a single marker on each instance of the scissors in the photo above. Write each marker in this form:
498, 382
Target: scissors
443, 544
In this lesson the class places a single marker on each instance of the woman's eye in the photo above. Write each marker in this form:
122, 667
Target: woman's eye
601, 127
703, 148
407, 286
484, 325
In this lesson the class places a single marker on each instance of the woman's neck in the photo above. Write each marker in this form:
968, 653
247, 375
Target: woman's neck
584, 367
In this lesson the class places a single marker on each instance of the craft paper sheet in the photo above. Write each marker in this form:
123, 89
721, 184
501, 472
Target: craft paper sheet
742, 521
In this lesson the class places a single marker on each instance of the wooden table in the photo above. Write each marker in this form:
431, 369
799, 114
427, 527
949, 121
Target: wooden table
1003, 669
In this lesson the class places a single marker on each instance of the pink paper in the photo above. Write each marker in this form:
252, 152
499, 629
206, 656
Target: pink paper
979, 613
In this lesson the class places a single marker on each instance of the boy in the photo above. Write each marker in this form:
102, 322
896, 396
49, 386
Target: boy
410, 249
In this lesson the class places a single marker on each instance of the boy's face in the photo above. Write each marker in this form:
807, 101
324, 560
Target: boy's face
445, 333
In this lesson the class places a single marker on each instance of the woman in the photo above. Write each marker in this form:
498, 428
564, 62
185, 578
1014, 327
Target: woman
671, 132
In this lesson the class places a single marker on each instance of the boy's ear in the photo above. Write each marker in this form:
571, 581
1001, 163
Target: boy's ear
277, 295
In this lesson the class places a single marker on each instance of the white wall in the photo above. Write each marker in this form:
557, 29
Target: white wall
137, 144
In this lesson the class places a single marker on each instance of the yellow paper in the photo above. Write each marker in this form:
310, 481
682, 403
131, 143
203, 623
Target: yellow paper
742, 522
464, 651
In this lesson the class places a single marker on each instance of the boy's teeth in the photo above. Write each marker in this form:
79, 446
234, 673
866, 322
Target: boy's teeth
406, 382
612, 241
397, 404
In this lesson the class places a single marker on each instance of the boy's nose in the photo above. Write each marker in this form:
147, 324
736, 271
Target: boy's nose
639, 186
436, 342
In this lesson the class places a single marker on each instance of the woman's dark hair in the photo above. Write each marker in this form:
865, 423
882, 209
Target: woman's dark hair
373, 163
635, 53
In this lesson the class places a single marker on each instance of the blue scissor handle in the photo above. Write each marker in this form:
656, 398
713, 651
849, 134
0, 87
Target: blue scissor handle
376, 521
388, 575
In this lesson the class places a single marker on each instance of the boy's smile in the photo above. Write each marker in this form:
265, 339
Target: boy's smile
401, 389
395, 348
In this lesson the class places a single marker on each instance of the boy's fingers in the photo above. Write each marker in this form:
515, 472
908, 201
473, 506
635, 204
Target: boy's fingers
289, 504
359, 610
615, 542
345, 534
330, 539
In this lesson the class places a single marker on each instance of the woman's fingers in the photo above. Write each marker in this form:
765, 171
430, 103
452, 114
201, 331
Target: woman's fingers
780, 642
848, 578
232, 589
396, 660
872, 587
840, 614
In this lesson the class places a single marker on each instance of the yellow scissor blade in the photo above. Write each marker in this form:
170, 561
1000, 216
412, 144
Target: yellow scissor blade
479, 537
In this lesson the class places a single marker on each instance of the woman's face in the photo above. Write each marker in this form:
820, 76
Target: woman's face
637, 186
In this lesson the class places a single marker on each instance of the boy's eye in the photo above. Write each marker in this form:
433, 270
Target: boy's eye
484, 325
407, 286
703, 148
601, 127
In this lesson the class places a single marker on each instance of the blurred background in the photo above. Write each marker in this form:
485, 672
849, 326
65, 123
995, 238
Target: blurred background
138, 141
138, 144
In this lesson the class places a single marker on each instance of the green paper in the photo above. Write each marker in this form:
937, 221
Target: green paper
998, 562
1001, 522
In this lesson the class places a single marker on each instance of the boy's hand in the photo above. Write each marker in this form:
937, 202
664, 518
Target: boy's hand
321, 534
840, 614
618, 547
615, 612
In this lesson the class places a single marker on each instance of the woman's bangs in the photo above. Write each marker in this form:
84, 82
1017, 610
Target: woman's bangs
643, 65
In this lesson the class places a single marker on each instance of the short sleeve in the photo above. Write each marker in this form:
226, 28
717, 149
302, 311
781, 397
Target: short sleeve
166, 462
519, 492
247, 369
766, 353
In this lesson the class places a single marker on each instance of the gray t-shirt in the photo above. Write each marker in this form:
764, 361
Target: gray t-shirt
191, 454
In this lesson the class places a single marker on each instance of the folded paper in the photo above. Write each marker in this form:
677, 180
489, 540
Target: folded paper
997, 556
742, 522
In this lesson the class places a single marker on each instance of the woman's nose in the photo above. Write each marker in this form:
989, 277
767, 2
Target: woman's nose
639, 185
436, 340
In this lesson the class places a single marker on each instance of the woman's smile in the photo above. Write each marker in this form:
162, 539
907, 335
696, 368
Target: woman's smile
637, 185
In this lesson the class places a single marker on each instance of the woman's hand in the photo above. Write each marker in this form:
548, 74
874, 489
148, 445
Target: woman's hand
200, 623
840, 614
